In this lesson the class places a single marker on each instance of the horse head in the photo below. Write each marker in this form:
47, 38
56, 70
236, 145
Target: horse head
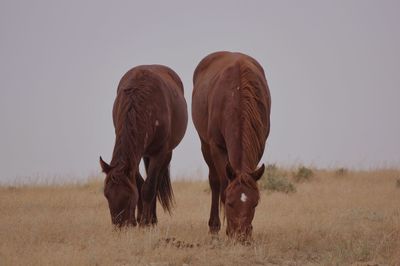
121, 194
241, 199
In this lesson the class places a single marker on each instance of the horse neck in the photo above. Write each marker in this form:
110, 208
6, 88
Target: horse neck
246, 147
252, 127
241, 162
130, 141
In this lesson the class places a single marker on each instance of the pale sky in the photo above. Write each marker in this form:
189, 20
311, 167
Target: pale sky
332, 67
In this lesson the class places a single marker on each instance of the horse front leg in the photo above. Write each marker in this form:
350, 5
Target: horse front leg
149, 197
214, 222
139, 183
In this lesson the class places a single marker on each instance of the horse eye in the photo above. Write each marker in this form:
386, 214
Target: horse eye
230, 204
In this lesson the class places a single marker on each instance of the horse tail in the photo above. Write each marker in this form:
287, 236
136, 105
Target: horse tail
165, 194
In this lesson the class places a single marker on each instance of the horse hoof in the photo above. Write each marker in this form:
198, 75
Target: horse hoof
214, 237
214, 230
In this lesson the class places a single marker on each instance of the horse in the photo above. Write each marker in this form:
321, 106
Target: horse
150, 119
231, 106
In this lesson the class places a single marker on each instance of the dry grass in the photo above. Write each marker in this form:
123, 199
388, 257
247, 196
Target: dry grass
331, 220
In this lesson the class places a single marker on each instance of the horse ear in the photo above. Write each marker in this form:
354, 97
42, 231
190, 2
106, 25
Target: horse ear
105, 166
230, 173
257, 174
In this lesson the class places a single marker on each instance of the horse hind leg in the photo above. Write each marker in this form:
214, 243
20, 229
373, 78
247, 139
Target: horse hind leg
164, 191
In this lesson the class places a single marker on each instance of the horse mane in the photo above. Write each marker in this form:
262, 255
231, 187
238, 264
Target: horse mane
253, 130
129, 117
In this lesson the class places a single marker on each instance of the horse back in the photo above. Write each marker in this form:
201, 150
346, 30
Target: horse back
231, 103
151, 98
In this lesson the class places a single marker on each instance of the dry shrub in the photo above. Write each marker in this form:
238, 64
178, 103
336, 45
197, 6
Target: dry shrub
303, 174
274, 179
341, 172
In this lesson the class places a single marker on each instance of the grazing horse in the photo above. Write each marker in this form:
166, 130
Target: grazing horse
231, 106
150, 119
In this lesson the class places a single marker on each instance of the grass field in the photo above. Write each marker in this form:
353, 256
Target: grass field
350, 218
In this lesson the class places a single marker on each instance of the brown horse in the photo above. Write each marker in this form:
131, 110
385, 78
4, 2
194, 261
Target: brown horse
231, 106
150, 119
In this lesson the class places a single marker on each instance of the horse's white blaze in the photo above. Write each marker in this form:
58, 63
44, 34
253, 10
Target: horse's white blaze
157, 123
243, 197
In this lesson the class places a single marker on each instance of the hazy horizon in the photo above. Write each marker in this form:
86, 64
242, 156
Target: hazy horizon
332, 68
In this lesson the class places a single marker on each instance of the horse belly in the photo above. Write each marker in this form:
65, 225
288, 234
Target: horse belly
200, 111
179, 122
167, 126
